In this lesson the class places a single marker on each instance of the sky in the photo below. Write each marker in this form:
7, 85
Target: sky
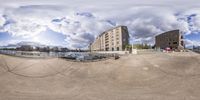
76, 23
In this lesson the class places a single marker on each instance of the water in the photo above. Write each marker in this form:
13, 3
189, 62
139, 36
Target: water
80, 56
41, 54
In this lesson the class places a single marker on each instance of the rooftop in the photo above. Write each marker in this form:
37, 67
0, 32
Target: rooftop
168, 32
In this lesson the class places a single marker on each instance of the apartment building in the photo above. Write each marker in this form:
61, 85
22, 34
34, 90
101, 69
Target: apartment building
114, 39
171, 39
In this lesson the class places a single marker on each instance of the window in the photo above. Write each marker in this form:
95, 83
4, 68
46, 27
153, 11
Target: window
182, 43
112, 49
167, 39
181, 37
174, 42
117, 48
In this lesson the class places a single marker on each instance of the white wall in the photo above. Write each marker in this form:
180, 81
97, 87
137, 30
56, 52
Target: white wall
110, 52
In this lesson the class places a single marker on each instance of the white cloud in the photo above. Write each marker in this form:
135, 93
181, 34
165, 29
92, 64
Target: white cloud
190, 43
2, 21
79, 27
82, 22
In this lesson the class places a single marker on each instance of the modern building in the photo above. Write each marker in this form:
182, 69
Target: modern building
171, 39
114, 39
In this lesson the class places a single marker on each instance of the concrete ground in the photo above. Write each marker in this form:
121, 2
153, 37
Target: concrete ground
148, 76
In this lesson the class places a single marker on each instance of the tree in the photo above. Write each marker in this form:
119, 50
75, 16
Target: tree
142, 46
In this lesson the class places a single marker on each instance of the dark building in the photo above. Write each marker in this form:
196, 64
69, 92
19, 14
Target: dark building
171, 39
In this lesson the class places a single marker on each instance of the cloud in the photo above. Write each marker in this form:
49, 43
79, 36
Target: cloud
79, 27
190, 43
2, 21
147, 22
192, 18
81, 23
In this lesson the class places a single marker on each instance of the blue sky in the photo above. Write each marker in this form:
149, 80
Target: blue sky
195, 37
75, 24
4, 36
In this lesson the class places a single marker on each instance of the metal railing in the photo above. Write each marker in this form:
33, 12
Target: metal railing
79, 56
33, 54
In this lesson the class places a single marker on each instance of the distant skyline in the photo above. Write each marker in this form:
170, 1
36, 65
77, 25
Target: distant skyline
76, 23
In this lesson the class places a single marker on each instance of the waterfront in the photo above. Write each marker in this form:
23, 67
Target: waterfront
148, 76
76, 56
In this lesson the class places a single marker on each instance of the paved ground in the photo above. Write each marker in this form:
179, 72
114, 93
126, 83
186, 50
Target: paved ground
150, 76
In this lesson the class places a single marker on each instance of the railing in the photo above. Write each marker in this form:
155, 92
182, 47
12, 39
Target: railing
80, 56
34, 54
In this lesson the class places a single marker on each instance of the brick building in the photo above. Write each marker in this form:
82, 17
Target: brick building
171, 39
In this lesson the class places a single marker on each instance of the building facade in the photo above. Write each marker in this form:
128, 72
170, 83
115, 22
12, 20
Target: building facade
114, 39
171, 39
